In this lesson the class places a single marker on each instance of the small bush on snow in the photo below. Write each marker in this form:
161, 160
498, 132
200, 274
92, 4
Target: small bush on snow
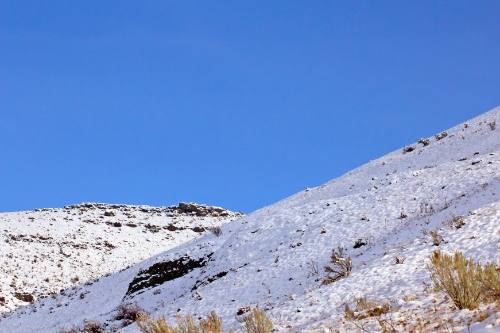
423, 141
187, 324
129, 312
89, 327
436, 238
492, 125
257, 322
341, 266
455, 221
441, 135
365, 309
158, 325
217, 231
491, 281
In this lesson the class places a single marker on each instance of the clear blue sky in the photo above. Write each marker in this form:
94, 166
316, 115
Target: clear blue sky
230, 103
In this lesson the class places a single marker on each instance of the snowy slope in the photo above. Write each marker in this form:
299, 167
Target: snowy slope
47, 250
377, 212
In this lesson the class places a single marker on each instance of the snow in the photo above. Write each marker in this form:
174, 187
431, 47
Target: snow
267, 258
44, 250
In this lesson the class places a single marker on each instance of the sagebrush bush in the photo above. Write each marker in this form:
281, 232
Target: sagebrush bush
365, 309
212, 324
187, 324
458, 277
492, 125
129, 312
257, 322
158, 325
436, 238
217, 231
455, 221
342, 266
441, 135
491, 280
89, 327
423, 141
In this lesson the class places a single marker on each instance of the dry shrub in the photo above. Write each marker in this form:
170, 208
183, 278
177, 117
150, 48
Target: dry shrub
458, 277
492, 125
89, 327
491, 280
187, 324
436, 238
129, 313
342, 266
217, 231
213, 324
158, 325
365, 309
455, 221
93, 327
257, 322
441, 135
423, 141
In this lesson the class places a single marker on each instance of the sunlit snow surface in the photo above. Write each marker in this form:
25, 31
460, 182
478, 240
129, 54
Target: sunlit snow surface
390, 203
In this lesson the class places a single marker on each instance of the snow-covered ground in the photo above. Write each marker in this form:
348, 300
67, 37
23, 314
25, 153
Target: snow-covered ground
45, 251
274, 257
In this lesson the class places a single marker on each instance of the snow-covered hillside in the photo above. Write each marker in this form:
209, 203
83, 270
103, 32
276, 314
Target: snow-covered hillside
45, 251
382, 213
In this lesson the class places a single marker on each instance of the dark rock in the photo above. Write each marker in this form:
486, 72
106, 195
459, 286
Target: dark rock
162, 272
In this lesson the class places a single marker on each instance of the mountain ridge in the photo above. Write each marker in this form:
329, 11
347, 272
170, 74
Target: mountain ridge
274, 257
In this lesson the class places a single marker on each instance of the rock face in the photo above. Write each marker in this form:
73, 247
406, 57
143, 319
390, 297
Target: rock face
162, 272
192, 208
48, 250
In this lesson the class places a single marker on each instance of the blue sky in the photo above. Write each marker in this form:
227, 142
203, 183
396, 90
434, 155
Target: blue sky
230, 103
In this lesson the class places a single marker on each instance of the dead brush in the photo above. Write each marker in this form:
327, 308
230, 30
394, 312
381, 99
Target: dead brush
128, 313
341, 266
435, 237
491, 281
366, 309
257, 322
217, 231
455, 221
158, 325
213, 324
89, 327
492, 125
187, 324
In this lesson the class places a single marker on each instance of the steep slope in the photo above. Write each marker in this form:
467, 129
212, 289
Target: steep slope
273, 257
47, 250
